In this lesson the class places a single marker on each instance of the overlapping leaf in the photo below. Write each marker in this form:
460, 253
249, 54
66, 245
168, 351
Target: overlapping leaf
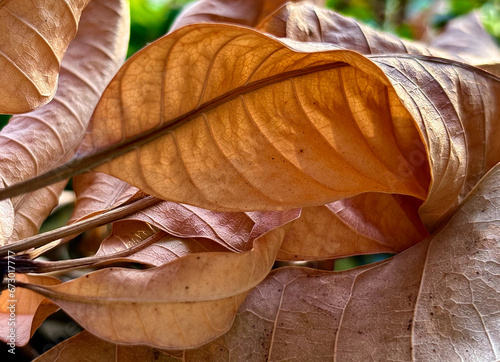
33, 38
243, 12
29, 309
182, 304
438, 301
467, 38
40, 140
264, 116
364, 224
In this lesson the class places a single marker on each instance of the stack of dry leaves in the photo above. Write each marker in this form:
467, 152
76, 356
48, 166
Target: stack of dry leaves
295, 134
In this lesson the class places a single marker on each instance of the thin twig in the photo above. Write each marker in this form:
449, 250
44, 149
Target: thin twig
34, 266
79, 227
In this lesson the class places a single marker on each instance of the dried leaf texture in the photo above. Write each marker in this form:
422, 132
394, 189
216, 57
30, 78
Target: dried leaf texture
30, 310
307, 23
34, 34
364, 224
467, 38
40, 140
456, 107
452, 97
281, 128
438, 301
85, 345
182, 304
97, 192
242, 12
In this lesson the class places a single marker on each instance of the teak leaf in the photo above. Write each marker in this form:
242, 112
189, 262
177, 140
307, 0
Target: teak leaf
34, 35
35, 142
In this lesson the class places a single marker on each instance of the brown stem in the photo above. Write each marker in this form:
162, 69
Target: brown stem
78, 227
52, 266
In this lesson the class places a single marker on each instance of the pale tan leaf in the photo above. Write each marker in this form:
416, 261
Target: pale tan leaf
243, 12
23, 310
34, 34
437, 301
466, 37
86, 346
182, 304
40, 140
364, 224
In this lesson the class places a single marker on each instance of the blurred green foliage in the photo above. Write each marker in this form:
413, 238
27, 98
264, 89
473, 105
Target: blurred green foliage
150, 19
4, 119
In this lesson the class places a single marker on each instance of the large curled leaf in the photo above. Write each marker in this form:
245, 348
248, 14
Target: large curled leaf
270, 120
40, 140
182, 304
34, 35
263, 119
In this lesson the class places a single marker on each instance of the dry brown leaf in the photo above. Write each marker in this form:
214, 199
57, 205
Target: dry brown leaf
30, 309
40, 140
243, 12
97, 192
86, 346
466, 37
437, 300
305, 22
34, 36
271, 116
308, 23
129, 233
182, 304
364, 224
271, 100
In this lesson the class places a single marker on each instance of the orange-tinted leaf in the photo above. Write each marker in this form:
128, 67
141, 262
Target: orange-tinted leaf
435, 301
34, 35
364, 224
275, 119
29, 309
40, 140
182, 304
